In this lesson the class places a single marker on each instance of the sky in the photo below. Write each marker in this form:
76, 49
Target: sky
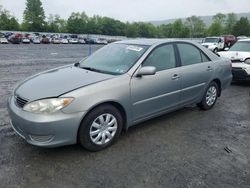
133, 10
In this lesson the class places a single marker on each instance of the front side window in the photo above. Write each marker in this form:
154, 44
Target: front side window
162, 58
115, 58
189, 54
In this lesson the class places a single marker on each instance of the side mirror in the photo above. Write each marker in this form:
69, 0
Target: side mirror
147, 70
226, 49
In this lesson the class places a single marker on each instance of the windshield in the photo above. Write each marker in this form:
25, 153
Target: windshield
241, 46
211, 40
114, 58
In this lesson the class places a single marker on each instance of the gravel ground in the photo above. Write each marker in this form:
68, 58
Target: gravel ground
186, 148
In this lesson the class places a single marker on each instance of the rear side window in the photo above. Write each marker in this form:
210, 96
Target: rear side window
162, 58
189, 54
204, 57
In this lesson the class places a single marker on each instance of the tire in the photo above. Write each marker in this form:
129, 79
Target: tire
210, 96
92, 134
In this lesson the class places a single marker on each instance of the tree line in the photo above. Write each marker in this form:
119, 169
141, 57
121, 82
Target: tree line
34, 20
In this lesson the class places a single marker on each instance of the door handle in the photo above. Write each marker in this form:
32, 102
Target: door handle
209, 68
175, 77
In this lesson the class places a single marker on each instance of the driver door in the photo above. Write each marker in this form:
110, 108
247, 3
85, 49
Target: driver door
153, 94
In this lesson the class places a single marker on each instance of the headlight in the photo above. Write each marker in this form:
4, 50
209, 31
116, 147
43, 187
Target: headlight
47, 106
247, 61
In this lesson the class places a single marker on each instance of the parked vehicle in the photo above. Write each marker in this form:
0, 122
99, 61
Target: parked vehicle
45, 40
90, 40
36, 40
229, 40
214, 44
82, 41
26, 41
65, 41
118, 86
239, 54
16, 38
113, 40
7, 34
100, 41
56, 41
3, 40
29, 36
73, 41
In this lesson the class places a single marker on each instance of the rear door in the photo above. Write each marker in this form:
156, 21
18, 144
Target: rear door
196, 71
155, 93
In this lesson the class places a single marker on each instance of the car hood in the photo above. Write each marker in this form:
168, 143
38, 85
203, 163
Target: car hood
235, 55
56, 82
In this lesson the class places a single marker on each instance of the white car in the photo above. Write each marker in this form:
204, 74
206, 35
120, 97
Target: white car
56, 41
214, 44
239, 54
73, 41
36, 40
3, 40
101, 41
25, 40
65, 41
82, 41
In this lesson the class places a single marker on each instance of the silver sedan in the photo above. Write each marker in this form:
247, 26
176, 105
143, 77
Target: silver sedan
118, 86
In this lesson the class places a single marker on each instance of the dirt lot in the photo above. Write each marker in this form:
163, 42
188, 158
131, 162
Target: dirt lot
187, 148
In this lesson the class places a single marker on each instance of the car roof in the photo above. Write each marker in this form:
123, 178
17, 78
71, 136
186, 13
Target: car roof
246, 40
150, 42
214, 37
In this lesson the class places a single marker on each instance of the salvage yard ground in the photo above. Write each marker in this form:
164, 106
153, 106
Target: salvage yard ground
186, 148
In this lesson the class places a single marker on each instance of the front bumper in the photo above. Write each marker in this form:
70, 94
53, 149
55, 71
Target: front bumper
44, 130
240, 74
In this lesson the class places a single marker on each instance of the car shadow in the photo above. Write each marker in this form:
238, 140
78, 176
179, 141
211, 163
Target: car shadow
144, 126
241, 83
158, 120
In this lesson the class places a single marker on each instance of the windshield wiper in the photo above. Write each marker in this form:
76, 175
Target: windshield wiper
92, 69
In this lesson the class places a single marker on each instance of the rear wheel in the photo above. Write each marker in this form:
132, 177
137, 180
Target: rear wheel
100, 128
210, 97
215, 50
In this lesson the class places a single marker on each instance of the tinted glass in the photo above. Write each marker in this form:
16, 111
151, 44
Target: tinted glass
189, 54
162, 58
114, 58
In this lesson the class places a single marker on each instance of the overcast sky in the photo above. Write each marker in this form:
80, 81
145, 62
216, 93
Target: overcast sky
133, 10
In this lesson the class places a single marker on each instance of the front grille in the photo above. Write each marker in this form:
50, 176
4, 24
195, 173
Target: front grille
239, 74
20, 102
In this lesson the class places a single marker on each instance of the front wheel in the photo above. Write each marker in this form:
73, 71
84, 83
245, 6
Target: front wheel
210, 97
100, 128
215, 50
